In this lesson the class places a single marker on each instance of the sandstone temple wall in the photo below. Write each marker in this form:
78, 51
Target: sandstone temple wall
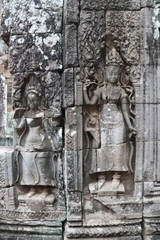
79, 119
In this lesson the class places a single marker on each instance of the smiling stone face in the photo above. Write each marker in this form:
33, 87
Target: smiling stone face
112, 73
32, 100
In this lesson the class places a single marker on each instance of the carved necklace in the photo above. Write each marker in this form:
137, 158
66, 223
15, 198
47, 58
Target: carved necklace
111, 92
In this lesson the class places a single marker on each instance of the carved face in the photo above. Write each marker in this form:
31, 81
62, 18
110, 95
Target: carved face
128, 70
112, 74
32, 100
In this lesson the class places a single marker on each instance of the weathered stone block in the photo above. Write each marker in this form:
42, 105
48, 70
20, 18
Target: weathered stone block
41, 52
110, 5
74, 129
50, 86
71, 11
78, 87
3, 106
151, 91
108, 238
137, 73
152, 227
70, 50
90, 37
30, 231
124, 27
52, 83
157, 164
29, 237
33, 17
146, 15
122, 18
108, 232
149, 55
147, 122
147, 3
151, 208
3, 48
68, 88
74, 207
35, 47
139, 111
73, 165
6, 178
150, 155
138, 190
11, 203
151, 191
138, 175
3, 199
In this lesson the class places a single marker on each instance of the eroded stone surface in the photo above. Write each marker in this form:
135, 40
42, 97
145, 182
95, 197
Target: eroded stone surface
33, 16
35, 52
71, 11
116, 5
33, 32
86, 126
70, 47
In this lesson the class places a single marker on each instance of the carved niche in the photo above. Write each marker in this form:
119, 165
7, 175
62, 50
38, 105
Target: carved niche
106, 83
38, 141
109, 124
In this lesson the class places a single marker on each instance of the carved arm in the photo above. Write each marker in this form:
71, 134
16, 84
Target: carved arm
19, 125
86, 98
125, 111
52, 136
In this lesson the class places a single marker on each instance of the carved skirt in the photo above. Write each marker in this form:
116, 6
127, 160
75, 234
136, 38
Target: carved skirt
35, 168
113, 153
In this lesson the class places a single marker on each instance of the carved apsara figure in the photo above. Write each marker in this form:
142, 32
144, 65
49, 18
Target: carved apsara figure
110, 127
35, 146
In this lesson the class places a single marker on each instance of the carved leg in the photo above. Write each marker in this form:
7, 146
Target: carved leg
45, 192
31, 192
116, 180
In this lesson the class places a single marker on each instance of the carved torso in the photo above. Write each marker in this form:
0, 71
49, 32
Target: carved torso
34, 137
112, 123
112, 94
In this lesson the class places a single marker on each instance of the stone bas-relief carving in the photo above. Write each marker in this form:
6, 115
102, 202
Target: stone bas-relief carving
111, 176
34, 52
50, 83
109, 130
34, 194
36, 148
109, 196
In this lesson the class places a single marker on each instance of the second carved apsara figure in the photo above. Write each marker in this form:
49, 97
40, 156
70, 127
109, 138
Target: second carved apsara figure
36, 145
110, 128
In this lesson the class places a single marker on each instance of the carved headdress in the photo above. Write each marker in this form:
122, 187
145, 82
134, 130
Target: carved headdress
113, 57
33, 86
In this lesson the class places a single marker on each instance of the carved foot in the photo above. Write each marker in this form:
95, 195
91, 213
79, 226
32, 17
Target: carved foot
101, 181
44, 194
112, 188
31, 193
116, 181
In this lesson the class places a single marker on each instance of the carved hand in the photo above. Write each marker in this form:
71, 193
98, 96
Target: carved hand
132, 132
93, 121
19, 148
14, 123
86, 84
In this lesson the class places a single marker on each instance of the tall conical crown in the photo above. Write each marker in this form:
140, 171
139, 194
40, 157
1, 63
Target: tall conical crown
113, 57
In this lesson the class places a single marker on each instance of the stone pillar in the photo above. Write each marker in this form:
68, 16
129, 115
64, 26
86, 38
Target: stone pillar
151, 134
3, 108
33, 32
104, 197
